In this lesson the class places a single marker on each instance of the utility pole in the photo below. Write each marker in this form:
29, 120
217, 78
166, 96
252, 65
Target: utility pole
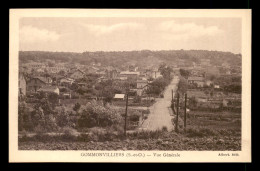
185, 109
177, 117
126, 111
172, 103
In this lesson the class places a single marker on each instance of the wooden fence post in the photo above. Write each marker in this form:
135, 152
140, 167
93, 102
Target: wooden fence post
126, 113
185, 110
177, 116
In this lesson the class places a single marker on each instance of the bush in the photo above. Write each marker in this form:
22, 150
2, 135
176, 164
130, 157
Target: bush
39, 129
42, 137
146, 111
96, 114
200, 132
103, 135
84, 138
164, 129
145, 134
68, 130
24, 138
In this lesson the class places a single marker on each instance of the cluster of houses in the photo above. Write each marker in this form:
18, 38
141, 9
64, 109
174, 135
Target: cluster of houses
38, 77
49, 84
217, 102
201, 82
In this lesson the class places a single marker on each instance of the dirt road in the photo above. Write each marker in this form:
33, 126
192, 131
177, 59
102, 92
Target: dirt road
160, 114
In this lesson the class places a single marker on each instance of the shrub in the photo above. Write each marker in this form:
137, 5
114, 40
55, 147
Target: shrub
39, 129
145, 134
69, 134
42, 137
84, 137
103, 135
164, 129
96, 114
24, 138
146, 111
200, 132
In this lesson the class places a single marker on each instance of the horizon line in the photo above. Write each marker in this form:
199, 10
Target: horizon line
131, 51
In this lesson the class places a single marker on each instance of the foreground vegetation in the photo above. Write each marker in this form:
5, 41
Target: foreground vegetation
193, 139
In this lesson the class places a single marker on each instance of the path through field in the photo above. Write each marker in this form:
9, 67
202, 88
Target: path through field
159, 112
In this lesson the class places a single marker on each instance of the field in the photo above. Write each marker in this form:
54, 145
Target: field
214, 120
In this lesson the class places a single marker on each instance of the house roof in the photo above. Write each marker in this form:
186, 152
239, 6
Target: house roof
67, 79
80, 71
142, 81
129, 73
195, 78
48, 89
43, 79
75, 70
119, 96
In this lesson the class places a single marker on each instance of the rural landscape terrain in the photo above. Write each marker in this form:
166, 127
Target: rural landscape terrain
130, 100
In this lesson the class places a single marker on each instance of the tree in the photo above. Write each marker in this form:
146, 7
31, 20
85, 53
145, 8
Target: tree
165, 71
24, 122
53, 98
38, 118
183, 85
51, 64
137, 99
211, 93
64, 90
95, 114
185, 73
62, 72
193, 102
43, 116
63, 118
74, 86
81, 91
76, 107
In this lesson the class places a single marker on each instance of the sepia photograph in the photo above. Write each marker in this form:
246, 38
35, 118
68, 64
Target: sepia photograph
135, 87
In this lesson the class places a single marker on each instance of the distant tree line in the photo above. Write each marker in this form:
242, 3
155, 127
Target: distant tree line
118, 58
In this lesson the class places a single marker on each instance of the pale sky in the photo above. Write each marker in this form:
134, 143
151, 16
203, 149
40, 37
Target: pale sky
126, 34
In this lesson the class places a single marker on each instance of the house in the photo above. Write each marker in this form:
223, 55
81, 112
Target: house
22, 84
141, 83
66, 95
57, 69
119, 97
66, 81
49, 89
196, 80
35, 65
82, 84
101, 73
122, 78
111, 74
141, 86
205, 62
216, 86
208, 83
77, 74
153, 73
132, 68
35, 83
129, 75
225, 65
92, 69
